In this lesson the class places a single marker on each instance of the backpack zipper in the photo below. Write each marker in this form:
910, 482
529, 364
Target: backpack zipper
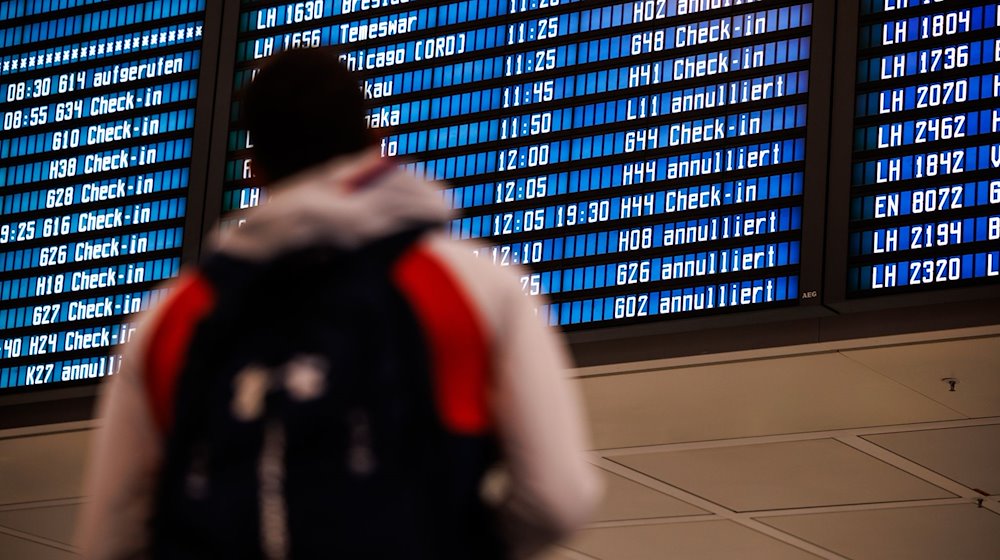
271, 477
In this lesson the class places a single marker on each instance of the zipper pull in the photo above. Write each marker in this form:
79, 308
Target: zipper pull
360, 456
271, 478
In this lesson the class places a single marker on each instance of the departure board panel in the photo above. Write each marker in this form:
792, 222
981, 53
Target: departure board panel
641, 160
925, 181
98, 110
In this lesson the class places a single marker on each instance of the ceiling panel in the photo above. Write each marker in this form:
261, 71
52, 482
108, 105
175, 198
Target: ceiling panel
792, 405
969, 456
974, 362
14, 548
560, 553
708, 540
43, 467
952, 532
625, 499
55, 523
754, 398
799, 474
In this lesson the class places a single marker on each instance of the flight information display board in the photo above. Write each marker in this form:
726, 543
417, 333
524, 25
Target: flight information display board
97, 101
925, 182
644, 159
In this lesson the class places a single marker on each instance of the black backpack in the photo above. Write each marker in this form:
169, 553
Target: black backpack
306, 425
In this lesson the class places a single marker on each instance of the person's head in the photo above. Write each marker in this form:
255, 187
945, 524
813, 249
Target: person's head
303, 108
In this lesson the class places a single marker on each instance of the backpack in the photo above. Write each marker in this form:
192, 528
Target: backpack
306, 425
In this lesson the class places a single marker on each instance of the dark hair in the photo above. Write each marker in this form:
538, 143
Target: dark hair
303, 108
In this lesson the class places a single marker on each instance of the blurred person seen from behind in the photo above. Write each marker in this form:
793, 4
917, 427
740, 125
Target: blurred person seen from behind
337, 377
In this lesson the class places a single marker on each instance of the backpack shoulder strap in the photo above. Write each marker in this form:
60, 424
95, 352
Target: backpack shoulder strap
459, 350
193, 299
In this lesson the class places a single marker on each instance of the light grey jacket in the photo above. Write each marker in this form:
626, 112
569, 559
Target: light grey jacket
548, 488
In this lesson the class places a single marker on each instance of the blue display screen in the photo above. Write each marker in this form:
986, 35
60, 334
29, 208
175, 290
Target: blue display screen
925, 202
632, 161
651, 152
97, 101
